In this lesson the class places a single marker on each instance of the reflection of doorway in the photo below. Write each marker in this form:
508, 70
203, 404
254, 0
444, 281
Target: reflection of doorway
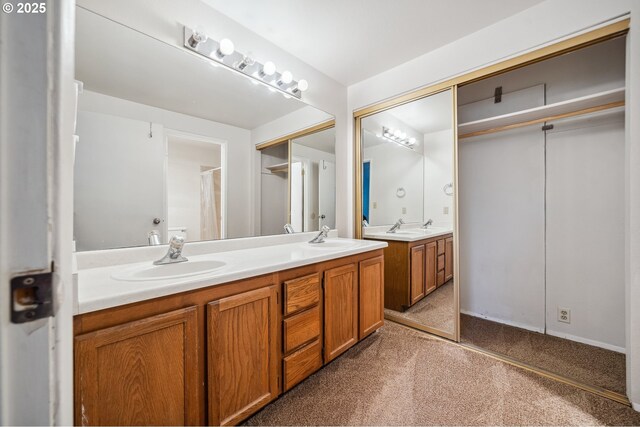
195, 187
366, 181
327, 192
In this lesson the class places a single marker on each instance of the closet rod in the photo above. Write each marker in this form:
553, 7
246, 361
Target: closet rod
544, 119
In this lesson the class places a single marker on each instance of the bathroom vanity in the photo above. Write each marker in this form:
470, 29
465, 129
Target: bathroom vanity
418, 261
219, 346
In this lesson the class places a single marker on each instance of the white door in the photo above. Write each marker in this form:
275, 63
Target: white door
119, 182
327, 190
297, 196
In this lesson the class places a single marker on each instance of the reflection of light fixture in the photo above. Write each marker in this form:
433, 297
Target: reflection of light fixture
224, 53
225, 48
397, 136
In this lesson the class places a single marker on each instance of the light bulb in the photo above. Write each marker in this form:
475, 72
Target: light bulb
226, 47
412, 140
403, 135
196, 38
303, 85
397, 133
268, 68
286, 77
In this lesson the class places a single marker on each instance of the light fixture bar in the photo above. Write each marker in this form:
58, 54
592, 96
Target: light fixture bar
224, 53
397, 136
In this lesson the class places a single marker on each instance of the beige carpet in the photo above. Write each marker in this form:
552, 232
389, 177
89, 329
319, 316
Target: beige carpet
581, 362
399, 376
436, 310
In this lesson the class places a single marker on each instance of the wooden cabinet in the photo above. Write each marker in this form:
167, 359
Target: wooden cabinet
412, 270
448, 257
219, 354
142, 372
371, 296
242, 354
418, 276
430, 267
340, 310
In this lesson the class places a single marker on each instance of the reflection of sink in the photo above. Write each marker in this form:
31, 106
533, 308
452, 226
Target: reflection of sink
169, 271
332, 244
411, 232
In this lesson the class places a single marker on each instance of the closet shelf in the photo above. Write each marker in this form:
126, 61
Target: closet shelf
573, 107
279, 168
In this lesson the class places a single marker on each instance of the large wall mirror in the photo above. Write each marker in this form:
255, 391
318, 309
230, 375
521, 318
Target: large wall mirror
166, 145
408, 200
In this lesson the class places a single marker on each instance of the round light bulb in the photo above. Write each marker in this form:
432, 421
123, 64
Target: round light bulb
403, 135
303, 85
226, 47
268, 68
412, 140
286, 77
397, 133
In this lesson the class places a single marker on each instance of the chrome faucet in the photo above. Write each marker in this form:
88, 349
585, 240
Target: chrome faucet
324, 233
288, 228
427, 224
174, 254
395, 227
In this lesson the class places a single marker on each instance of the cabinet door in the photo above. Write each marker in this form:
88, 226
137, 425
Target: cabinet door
448, 259
430, 266
417, 274
143, 372
340, 310
371, 295
242, 355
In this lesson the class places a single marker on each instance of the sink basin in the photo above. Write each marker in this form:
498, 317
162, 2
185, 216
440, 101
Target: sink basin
169, 271
332, 245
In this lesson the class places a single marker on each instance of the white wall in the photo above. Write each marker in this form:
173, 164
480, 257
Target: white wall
239, 149
438, 171
585, 230
183, 183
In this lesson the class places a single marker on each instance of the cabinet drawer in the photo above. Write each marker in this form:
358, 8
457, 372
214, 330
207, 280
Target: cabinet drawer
301, 293
440, 262
301, 364
301, 328
441, 247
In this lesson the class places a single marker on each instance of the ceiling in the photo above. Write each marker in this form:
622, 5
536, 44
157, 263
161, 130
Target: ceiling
351, 40
115, 60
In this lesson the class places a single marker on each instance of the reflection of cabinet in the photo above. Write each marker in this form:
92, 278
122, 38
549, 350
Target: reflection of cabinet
226, 350
242, 368
412, 270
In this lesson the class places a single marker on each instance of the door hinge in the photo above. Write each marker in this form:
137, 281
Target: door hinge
31, 297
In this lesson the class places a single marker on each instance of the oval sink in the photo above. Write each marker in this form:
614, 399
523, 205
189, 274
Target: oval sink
331, 244
168, 271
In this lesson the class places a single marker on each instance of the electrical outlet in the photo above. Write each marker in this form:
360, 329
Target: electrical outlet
404, 211
375, 205
445, 210
564, 315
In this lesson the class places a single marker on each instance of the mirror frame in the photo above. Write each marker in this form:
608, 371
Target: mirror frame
588, 38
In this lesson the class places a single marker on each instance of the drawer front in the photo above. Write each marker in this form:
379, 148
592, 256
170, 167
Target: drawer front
301, 293
301, 364
441, 247
440, 277
440, 262
301, 328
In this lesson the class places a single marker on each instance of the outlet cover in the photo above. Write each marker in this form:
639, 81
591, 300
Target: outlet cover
404, 210
445, 210
375, 205
564, 315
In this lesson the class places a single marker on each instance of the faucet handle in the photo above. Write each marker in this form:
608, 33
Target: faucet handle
325, 229
176, 242
401, 221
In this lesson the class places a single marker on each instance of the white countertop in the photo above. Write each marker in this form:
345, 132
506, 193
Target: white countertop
405, 233
97, 289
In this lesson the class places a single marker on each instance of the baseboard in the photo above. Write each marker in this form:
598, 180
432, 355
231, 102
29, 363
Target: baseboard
587, 341
635, 406
505, 322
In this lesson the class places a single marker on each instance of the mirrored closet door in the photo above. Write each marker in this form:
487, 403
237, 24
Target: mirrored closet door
408, 201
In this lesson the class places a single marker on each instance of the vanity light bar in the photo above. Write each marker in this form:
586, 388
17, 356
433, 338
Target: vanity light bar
397, 136
224, 53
